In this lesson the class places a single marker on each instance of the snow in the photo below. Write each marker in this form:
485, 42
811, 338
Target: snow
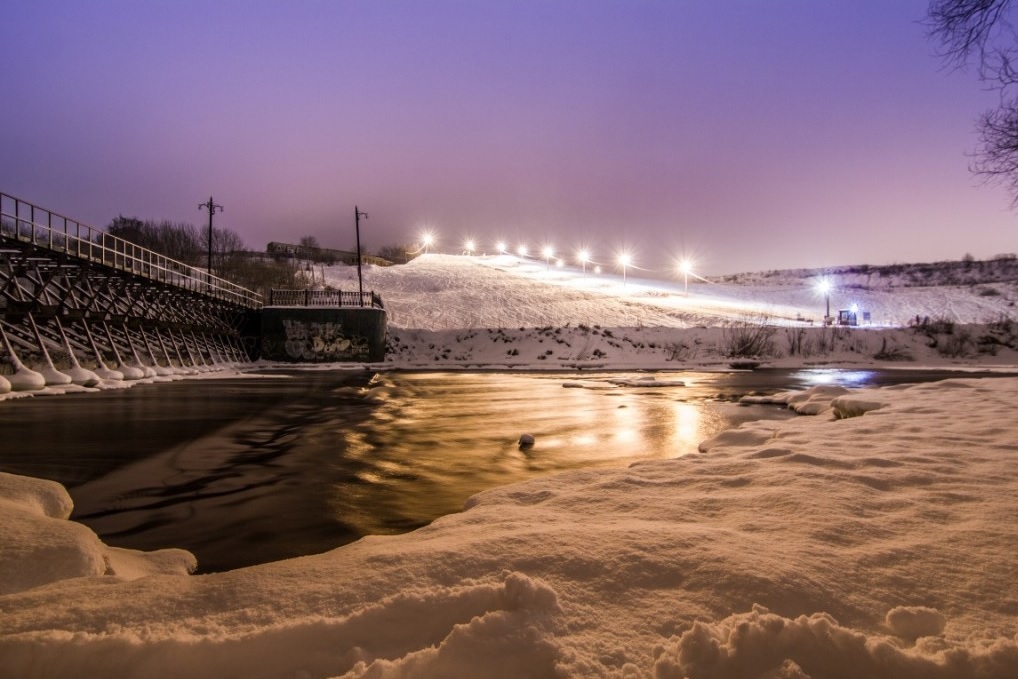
878, 544
875, 538
441, 292
505, 312
40, 546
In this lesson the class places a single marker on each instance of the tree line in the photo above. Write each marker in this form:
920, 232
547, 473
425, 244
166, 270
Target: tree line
189, 244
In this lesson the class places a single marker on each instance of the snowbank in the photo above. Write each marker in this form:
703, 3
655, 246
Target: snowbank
879, 543
40, 546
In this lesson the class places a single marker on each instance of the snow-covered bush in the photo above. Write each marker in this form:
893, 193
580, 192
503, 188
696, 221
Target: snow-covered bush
747, 339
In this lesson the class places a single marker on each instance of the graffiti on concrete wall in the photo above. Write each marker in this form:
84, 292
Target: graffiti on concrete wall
322, 341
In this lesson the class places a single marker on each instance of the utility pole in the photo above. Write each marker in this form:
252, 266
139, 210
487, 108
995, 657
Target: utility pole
357, 214
211, 207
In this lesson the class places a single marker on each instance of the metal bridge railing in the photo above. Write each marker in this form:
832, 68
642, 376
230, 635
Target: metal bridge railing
324, 298
27, 223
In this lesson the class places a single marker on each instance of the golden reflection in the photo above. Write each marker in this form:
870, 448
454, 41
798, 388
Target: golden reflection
626, 425
687, 421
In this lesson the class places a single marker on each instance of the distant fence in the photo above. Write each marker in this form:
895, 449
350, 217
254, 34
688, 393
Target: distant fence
30, 224
324, 298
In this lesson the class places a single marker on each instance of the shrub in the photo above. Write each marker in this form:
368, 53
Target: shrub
747, 339
892, 352
957, 344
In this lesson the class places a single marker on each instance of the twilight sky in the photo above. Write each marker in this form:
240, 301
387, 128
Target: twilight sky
750, 134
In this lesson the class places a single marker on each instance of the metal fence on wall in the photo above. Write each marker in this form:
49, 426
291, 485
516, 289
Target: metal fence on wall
324, 298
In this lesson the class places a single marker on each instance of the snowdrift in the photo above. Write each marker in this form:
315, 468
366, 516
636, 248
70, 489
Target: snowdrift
875, 539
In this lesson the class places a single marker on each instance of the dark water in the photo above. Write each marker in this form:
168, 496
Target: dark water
253, 469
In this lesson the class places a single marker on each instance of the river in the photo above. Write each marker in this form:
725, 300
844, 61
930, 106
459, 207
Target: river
257, 468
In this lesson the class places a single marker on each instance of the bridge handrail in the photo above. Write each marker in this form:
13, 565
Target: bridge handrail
324, 298
27, 223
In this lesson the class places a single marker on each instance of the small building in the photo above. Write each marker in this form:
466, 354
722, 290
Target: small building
848, 317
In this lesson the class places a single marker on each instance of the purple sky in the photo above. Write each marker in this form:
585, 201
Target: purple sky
749, 134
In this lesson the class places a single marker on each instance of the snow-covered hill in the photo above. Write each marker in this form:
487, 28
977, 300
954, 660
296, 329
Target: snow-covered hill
506, 312
447, 292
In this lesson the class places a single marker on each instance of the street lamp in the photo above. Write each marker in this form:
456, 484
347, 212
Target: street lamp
500, 246
685, 266
212, 207
427, 239
548, 253
824, 288
584, 257
624, 261
357, 214
522, 250
468, 246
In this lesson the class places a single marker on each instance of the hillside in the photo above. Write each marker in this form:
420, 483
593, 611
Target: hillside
446, 292
982, 274
504, 312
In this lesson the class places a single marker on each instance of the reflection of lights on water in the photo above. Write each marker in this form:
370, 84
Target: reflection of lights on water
844, 378
624, 435
687, 425
626, 424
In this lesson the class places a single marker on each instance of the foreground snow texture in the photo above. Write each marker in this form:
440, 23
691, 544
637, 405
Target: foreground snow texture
881, 545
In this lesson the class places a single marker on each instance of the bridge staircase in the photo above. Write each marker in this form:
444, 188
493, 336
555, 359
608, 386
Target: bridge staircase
78, 305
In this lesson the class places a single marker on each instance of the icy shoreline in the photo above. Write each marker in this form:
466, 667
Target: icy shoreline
882, 542
588, 348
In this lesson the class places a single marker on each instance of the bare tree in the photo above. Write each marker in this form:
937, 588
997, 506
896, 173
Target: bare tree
972, 28
980, 31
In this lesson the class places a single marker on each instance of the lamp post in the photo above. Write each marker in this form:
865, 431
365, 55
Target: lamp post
685, 266
584, 257
624, 260
548, 253
211, 207
824, 288
468, 246
427, 239
357, 214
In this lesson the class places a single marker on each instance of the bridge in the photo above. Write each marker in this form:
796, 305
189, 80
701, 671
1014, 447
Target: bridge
79, 305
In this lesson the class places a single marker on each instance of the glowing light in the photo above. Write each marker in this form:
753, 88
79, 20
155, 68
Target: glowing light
500, 246
559, 263
597, 269
583, 256
522, 250
685, 266
548, 253
824, 288
625, 260
469, 246
427, 239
